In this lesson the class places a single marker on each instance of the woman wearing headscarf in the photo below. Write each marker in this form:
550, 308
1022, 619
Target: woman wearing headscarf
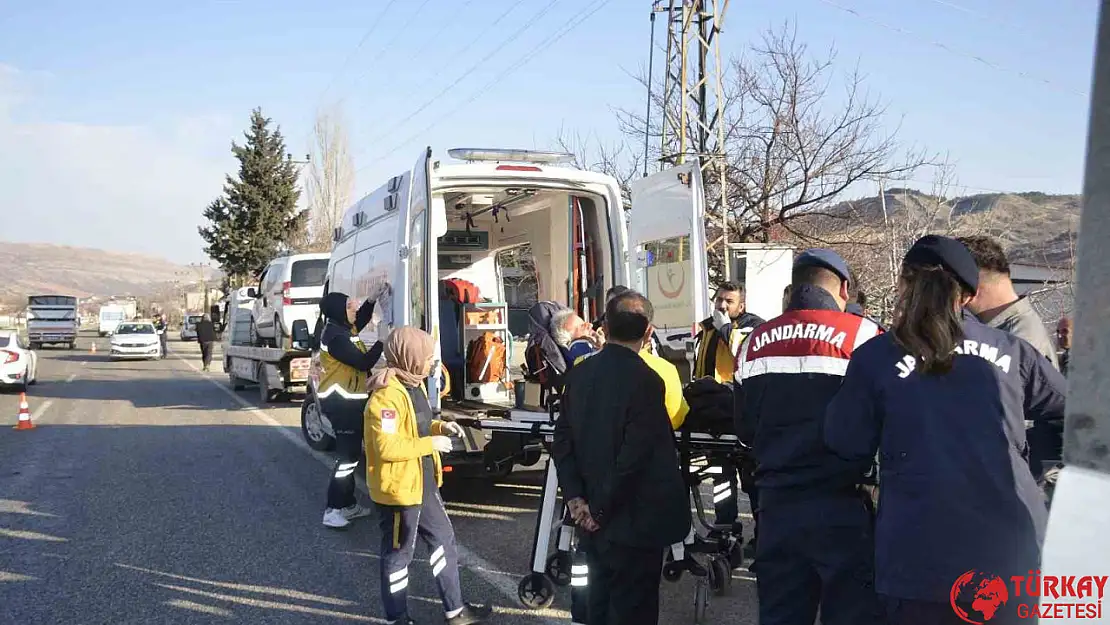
943, 399
345, 363
404, 473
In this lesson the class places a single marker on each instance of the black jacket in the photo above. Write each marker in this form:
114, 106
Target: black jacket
788, 371
206, 331
614, 446
955, 492
336, 333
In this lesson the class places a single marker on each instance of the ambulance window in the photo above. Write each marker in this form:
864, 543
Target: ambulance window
417, 284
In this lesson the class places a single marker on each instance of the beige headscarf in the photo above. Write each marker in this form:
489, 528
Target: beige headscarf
407, 349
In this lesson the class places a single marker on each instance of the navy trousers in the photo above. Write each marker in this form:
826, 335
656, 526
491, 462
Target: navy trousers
816, 554
347, 422
400, 527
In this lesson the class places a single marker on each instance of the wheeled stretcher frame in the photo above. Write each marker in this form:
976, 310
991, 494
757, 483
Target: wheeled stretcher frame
699, 458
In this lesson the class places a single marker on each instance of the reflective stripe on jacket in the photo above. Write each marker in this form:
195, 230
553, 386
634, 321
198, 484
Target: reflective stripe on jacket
337, 377
394, 447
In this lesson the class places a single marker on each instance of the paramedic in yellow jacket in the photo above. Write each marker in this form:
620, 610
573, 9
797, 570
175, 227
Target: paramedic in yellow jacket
403, 474
345, 363
718, 343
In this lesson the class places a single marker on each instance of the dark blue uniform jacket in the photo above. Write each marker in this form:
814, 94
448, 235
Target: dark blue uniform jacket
788, 370
956, 492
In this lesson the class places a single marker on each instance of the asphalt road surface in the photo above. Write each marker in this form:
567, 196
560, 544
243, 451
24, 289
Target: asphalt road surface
150, 493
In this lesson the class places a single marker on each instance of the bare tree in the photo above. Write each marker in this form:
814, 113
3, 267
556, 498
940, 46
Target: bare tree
331, 177
797, 137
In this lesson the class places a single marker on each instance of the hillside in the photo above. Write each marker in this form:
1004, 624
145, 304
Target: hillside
1035, 228
44, 268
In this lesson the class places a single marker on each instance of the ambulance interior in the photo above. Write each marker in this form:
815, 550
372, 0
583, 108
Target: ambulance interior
568, 235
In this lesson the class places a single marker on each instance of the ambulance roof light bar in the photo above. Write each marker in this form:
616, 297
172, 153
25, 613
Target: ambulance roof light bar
518, 156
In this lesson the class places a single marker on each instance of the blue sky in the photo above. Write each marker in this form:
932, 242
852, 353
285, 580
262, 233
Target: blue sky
116, 116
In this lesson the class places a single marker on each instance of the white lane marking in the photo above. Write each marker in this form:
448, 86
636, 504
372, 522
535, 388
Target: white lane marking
479, 565
72, 377
41, 409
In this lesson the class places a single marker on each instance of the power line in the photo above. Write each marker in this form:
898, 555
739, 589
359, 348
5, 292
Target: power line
447, 23
956, 51
361, 42
513, 37
567, 27
397, 35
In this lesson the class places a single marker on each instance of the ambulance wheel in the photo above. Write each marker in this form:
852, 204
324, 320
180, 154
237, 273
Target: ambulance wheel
558, 568
720, 576
672, 571
701, 601
536, 591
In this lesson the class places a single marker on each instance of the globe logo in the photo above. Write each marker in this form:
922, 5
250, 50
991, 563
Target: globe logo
977, 597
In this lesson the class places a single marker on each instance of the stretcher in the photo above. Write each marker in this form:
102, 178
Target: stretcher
700, 456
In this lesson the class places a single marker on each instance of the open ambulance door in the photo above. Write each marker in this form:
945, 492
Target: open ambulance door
420, 257
666, 233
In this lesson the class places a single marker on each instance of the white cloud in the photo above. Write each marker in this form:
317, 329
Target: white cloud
124, 188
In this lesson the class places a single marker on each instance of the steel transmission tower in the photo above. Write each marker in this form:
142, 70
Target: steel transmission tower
692, 101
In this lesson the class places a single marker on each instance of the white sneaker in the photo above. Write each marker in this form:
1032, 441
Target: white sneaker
335, 519
355, 511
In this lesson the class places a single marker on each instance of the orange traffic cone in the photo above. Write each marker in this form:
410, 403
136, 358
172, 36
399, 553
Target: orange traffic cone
92, 347
24, 414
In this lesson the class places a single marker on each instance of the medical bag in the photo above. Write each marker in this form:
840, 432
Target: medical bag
486, 359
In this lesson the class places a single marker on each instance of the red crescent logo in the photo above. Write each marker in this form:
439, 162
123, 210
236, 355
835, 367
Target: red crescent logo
675, 292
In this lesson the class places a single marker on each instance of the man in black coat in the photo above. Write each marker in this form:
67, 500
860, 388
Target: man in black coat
615, 453
206, 336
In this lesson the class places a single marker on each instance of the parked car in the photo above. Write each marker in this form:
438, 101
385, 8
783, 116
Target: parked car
288, 290
137, 339
189, 327
19, 364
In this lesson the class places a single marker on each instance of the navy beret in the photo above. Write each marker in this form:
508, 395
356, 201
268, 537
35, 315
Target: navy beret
953, 256
826, 258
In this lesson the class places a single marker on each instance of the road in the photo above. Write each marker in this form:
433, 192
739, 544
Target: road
151, 493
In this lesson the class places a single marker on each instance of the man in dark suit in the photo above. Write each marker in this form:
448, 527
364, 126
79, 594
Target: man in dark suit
615, 454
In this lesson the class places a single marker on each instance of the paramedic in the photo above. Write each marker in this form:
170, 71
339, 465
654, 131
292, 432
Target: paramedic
815, 549
403, 475
345, 362
717, 341
943, 399
615, 455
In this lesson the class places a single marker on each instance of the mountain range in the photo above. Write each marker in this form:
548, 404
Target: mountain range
45, 268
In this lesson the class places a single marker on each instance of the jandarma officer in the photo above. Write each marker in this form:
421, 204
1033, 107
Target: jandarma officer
944, 399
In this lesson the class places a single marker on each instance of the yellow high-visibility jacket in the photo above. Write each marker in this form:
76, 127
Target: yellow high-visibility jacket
394, 448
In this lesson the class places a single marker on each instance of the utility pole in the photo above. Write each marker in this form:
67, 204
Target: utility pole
693, 97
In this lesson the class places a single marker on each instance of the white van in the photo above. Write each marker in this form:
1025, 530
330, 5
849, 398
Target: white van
443, 221
288, 290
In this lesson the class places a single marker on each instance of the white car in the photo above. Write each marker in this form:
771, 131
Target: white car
189, 327
288, 290
18, 363
138, 339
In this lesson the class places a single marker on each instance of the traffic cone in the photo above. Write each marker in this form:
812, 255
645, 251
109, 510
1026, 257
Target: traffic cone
24, 414
92, 347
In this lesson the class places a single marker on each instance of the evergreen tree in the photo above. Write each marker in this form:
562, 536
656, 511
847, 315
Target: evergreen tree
257, 216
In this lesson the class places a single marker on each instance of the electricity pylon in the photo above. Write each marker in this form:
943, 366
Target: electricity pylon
693, 99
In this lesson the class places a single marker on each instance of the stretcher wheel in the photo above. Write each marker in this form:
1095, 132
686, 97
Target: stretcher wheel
535, 591
672, 571
558, 568
701, 601
720, 575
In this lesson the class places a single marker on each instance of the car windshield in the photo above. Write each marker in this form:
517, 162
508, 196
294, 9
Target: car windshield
193, 319
309, 272
135, 328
